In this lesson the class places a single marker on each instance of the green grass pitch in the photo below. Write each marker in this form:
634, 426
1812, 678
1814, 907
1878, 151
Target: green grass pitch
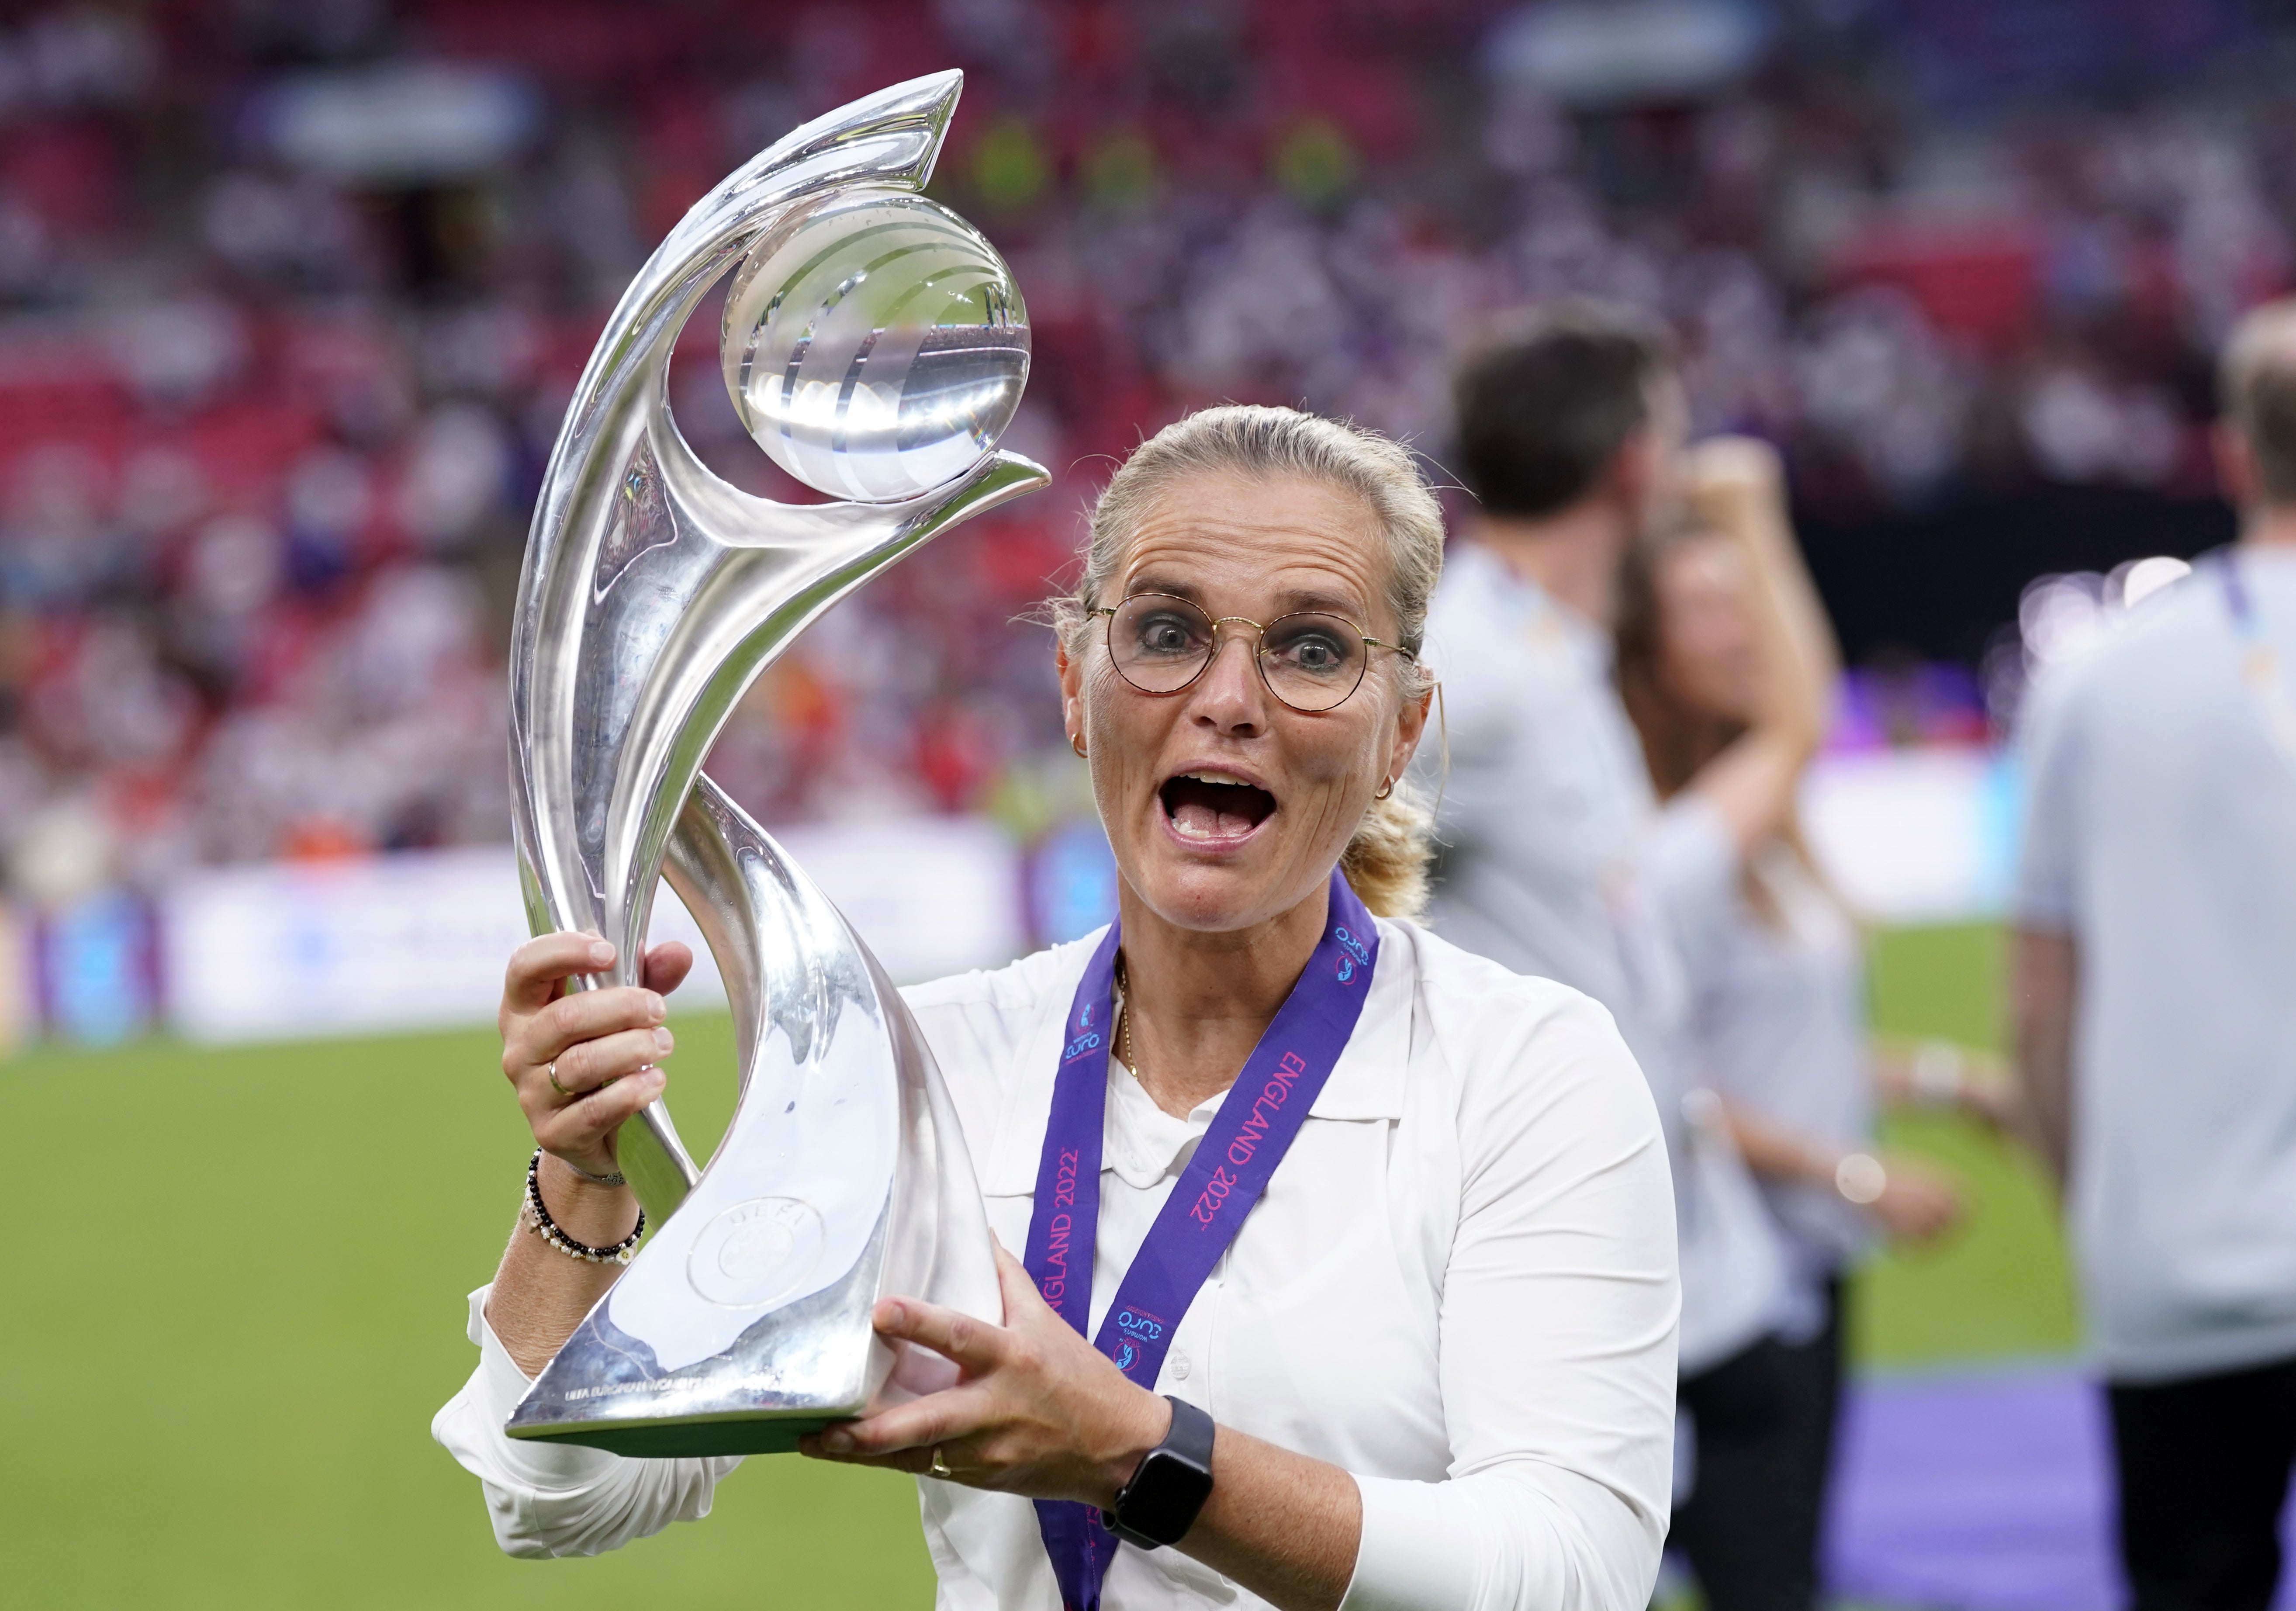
234, 1296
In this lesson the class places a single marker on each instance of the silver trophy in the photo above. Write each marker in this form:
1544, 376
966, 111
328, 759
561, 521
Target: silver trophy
876, 346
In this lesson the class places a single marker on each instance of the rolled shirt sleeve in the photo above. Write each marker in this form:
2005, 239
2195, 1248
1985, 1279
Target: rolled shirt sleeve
1558, 1316
547, 1499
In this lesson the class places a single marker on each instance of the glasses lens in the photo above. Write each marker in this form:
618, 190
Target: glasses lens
1158, 641
1313, 661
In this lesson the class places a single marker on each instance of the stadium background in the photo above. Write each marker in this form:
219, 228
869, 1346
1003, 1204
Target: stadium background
292, 292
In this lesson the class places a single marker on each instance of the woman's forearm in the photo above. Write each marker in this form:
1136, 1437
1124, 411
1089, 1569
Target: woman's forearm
1752, 785
540, 1295
1807, 667
1780, 1154
582, 1063
1798, 647
1283, 1525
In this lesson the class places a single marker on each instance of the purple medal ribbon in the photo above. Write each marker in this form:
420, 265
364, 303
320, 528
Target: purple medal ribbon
1254, 1129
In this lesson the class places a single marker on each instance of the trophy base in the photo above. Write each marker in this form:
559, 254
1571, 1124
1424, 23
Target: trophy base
794, 1370
746, 1433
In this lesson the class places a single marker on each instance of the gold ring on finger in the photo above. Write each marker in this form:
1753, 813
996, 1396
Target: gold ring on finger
552, 1071
940, 1467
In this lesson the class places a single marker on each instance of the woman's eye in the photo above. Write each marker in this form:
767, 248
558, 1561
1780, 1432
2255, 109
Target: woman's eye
1312, 651
1164, 636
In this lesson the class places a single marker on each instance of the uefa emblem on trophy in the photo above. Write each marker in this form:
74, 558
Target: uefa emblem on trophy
876, 346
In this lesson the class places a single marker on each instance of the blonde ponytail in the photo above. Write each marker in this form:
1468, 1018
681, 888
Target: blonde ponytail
1387, 860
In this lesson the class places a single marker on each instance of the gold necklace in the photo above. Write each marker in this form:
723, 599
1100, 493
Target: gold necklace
1124, 1019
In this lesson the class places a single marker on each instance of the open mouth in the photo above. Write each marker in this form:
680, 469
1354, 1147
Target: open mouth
1203, 806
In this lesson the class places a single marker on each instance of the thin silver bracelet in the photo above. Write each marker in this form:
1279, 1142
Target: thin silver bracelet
616, 1179
537, 1218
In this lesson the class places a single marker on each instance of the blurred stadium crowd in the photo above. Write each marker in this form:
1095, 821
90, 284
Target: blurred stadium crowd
292, 294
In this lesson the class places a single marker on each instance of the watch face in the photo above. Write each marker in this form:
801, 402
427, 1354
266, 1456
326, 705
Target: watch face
1159, 1504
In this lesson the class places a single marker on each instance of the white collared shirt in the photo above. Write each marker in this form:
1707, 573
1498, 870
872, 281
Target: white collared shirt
1460, 1286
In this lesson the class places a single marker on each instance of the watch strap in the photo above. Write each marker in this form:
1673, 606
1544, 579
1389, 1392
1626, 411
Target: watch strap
1169, 1486
1191, 1436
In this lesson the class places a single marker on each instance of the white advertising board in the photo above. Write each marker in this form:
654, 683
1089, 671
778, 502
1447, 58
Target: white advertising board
419, 940
1916, 835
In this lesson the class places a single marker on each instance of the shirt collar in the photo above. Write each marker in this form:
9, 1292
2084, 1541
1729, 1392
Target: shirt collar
1367, 1082
1141, 1142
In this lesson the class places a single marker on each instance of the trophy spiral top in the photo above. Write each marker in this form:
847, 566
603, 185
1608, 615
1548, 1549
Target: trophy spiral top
875, 345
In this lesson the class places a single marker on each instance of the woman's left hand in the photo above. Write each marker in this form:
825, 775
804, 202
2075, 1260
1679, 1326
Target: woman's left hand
1037, 1410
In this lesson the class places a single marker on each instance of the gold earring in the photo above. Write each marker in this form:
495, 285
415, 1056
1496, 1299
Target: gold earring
1076, 742
1385, 789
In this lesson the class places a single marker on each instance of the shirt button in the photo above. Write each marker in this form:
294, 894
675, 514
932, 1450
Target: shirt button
1179, 1367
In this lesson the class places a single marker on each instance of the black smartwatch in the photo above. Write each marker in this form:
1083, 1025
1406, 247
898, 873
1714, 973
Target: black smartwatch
1171, 1484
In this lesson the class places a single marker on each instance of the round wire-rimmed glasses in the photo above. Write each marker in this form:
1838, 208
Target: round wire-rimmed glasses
1310, 659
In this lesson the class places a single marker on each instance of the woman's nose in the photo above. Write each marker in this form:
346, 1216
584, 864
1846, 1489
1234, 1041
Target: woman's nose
1229, 690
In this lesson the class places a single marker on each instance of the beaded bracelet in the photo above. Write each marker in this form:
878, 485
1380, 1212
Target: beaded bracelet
537, 1218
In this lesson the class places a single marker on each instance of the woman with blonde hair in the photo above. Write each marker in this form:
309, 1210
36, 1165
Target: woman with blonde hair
1401, 1218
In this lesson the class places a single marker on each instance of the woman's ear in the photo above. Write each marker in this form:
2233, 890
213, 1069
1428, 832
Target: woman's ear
1070, 670
1410, 727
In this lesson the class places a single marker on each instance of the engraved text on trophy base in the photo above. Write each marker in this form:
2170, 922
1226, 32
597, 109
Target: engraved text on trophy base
756, 1253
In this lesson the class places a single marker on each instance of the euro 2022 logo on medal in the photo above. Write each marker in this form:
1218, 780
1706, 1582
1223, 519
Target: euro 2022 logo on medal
1138, 1327
1087, 1035
1087, 1038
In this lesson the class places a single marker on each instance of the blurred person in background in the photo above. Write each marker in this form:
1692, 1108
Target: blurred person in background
1571, 435
1712, 614
2153, 986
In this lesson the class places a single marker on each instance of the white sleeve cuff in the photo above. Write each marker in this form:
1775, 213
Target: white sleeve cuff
549, 1498
1408, 1559
493, 1392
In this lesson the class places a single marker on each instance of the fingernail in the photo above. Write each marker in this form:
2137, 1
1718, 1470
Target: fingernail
657, 1006
837, 1440
656, 1078
662, 1042
602, 953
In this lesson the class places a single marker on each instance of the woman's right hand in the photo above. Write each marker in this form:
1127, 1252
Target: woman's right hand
1738, 484
1919, 1203
603, 1047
